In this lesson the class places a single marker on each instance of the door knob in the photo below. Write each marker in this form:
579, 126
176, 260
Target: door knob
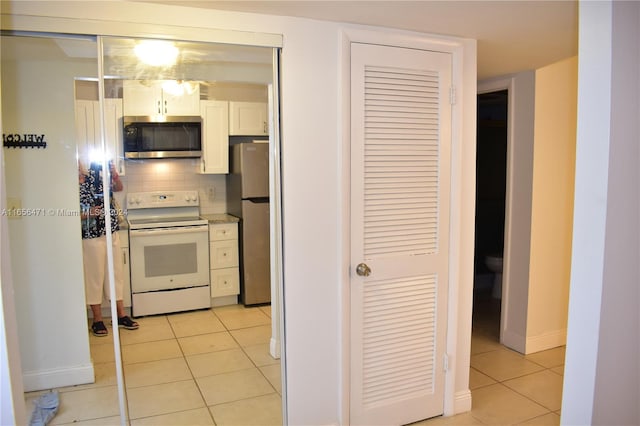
363, 270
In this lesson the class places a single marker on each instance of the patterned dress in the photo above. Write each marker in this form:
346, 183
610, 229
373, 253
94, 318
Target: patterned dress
91, 195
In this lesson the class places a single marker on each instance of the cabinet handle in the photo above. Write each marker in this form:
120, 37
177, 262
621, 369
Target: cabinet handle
124, 258
165, 107
159, 108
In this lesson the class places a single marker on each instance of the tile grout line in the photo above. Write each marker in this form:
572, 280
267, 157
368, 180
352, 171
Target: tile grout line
193, 377
245, 352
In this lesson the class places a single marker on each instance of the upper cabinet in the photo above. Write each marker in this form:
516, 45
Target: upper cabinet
160, 97
248, 119
88, 131
215, 137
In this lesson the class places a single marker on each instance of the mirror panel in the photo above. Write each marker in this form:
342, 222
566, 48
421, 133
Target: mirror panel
41, 172
65, 107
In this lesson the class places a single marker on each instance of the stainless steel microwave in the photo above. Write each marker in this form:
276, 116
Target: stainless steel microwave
174, 136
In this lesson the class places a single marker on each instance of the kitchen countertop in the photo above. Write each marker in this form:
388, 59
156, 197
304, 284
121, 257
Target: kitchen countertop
220, 218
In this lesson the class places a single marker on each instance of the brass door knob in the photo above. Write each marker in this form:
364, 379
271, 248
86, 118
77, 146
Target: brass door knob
363, 270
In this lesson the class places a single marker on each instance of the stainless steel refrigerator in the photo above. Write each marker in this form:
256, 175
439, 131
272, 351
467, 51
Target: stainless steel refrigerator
248, 199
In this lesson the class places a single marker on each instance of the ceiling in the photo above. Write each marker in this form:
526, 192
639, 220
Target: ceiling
512, 35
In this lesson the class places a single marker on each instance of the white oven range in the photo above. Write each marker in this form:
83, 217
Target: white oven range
169, 252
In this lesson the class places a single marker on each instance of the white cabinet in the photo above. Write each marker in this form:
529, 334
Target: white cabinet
215, 137
123, 258
160, 97
224, 259
88, 131
87, 127
248, 119
126, 270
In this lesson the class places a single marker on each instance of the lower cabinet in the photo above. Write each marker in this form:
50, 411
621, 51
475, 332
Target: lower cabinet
126, 270
122, 257
224, 260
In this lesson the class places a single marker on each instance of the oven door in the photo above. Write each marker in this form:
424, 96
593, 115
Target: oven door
169, 258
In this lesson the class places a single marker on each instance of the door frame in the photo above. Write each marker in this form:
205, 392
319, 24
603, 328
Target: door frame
489, 87
517, 233
457, 396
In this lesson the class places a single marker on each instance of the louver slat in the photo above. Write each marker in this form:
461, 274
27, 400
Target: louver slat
398, 337
401, 161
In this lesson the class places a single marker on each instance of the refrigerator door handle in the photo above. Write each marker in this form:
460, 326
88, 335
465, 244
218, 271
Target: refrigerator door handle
257, 200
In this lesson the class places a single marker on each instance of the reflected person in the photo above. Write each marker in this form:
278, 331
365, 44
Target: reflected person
94, 245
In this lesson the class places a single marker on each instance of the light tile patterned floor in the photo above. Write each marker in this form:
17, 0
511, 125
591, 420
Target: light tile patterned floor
508, 388
214, 368
198, 368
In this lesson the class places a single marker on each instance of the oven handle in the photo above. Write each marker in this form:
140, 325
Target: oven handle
168, 231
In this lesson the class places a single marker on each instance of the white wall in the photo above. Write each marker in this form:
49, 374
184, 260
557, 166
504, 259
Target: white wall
541, 155
312, 181
46, 253
602, 370
552, 204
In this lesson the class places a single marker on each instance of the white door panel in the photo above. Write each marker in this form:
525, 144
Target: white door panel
400, 166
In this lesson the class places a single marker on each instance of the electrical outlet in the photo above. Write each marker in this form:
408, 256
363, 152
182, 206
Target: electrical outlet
211, 192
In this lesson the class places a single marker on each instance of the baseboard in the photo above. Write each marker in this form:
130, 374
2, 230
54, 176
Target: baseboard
58, 377
546, 341
514, 341
274, 348
224, 301
462, 401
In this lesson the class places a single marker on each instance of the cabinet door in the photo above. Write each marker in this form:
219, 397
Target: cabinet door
248, 119
85, 127
88, 134
113, 132
150, 98
126, 297
184, 101
123, 258
225, 282
221, 232
142, 97
215, 137
223, 254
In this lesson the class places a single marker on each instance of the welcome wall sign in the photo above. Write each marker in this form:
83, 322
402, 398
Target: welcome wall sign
23, 140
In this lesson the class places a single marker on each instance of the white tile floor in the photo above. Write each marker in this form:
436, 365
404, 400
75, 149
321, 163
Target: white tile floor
197, 368
213, 367
508, 388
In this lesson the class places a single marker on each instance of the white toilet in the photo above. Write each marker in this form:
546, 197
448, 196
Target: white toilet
494, 263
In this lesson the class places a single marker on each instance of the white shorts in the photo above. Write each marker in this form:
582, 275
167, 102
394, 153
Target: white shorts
96, 278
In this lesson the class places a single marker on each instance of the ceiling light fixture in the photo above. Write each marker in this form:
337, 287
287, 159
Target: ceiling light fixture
156, 53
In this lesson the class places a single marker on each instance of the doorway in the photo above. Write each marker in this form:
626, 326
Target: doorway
50, 207
491, 182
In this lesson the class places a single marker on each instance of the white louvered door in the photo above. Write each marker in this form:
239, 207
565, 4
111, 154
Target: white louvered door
400, 174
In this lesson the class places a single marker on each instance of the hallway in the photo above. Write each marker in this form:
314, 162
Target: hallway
213, 368
507, 388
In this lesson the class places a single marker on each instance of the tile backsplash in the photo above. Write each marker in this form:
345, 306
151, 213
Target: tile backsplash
174, 174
